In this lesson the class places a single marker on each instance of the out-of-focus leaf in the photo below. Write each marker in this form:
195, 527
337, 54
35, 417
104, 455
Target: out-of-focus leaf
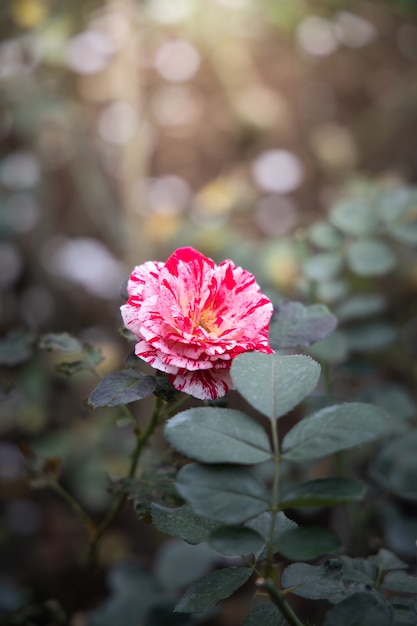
218, 585
265, 614
363, 608
331, 349
64, 342
395, 466
178, 564
360, 306
354, 217
324, 266
370, 337
294, 324
16, 348
370, 258
121, 388
325, 236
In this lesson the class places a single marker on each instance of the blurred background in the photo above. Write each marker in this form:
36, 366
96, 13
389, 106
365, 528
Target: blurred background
129, 128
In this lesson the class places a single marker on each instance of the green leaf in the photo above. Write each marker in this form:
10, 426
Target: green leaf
405, 611
121, 388
359, 570
370, 337
294, 324
317, 582
272, 383
235, 540
228, 494
386, 560
324, 266
178, 564
304, 544
332, 349
360, 306
64, 342
215, 435
393, 399
334, 428
332, 290
398, 209
324, 492
361, 609
182, 522
395, 466
262, 525
370, 258
400, 582
218, 585
265, 614
324, 235
354, 217
90, 357
16, 348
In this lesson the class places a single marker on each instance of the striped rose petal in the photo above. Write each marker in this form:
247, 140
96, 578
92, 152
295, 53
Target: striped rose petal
192, 318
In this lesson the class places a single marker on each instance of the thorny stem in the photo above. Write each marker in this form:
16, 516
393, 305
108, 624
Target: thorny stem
141, 440
279, 601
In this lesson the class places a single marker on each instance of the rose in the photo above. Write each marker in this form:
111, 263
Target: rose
192, 318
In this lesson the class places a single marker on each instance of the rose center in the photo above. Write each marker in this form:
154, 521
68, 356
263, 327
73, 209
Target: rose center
207, 320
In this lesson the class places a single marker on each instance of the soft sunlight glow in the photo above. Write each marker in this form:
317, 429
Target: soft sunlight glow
316, 36
11, 264
175, 106
354, 31
89, 52
278, 171
22, 212
86, 262
169, 12
118, 122
19, 171
177, 60
168, 195
275, 215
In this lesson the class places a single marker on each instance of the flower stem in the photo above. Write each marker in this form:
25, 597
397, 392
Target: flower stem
141, 440
74, 505
279, 601
275, 492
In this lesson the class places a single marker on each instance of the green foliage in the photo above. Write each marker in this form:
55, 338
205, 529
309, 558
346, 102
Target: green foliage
121, 388
265, 614
227, 436
370, 258
16, 348
294, 324
299, 544
218, 585
395, 466
235, 540
274, 384
227, 494
324, 492
363, 608
334, 428
182, 522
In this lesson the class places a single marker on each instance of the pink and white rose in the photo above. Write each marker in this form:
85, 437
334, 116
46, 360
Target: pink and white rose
192, 318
